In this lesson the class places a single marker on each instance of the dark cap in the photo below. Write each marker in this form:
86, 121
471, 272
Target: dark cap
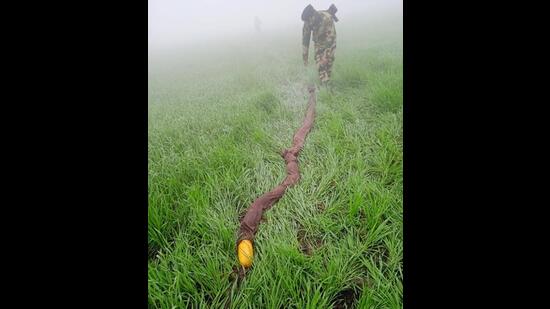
308, 11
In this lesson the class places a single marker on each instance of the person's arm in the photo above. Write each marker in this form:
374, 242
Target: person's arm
306, 36
332, 10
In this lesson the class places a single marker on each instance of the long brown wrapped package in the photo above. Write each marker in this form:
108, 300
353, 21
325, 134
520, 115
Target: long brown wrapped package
251, 220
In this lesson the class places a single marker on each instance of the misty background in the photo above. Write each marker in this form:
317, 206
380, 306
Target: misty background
175, 24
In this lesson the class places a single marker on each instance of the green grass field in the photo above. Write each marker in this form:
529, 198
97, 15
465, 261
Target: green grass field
219, 115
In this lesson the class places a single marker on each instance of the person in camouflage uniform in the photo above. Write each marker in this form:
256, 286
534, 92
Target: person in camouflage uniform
321, 23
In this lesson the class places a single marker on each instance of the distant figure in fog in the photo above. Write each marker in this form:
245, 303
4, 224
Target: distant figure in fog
321, 23
257, 24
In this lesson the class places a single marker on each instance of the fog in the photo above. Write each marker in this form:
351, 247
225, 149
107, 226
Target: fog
179, 23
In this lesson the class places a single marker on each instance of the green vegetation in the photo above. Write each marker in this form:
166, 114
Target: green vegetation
217, 120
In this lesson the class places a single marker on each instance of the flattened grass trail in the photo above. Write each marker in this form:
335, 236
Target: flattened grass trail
218, 119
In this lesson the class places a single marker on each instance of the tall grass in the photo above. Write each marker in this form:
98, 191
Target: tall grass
216, 123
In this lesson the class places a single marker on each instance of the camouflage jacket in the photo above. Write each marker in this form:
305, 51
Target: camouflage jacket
324, 32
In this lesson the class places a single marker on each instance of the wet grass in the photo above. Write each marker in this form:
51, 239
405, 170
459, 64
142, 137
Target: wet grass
215, 129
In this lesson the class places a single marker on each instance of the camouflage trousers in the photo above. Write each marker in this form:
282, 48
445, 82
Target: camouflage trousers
324, 57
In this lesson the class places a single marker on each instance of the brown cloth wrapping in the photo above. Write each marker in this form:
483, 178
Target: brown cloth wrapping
251, 220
